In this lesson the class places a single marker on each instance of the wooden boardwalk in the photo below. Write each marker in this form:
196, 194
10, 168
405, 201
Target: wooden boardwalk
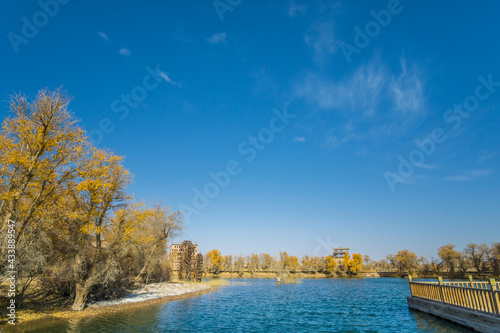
475, 304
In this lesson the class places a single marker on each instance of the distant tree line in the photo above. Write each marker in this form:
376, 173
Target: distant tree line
285, 264
77, 231
481, 259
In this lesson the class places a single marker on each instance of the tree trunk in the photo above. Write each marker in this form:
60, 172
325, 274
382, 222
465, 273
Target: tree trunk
82, 292
138, 277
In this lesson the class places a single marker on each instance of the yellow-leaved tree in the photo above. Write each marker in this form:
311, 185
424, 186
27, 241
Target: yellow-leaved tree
74, 223
41, 150
215, 261
353, 266
331, 265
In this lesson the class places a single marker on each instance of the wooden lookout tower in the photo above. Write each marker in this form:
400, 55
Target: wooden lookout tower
338, 254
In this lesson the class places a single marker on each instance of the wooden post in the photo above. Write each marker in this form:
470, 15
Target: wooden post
411, 289
494, 296
440, 283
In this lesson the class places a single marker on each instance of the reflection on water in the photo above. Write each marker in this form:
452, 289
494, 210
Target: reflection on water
261, 305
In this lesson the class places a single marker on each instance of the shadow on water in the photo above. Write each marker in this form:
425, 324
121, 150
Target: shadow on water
428, 323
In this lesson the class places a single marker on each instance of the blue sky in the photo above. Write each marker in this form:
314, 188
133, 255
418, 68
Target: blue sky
373, 124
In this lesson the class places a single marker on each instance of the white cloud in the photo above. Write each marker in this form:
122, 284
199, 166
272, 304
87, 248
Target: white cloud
299, 139
473, 174
371, 101
407, 90
482, 173
165, 76
103, 36
124, 52
458, 178
295, 10
217, 38
486, 156
361, 90
321, 40
371, 89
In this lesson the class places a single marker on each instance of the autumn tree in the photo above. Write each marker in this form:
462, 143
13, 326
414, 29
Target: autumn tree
450, 256
266, 261
215, 261
253, 263
331, 265
158, 224
477, 255
406, 261
318, 264
306, 264
367, 262
424, 265
382, 265
239, 265
41, 149
463, 263
495, 257
228, 264
289, 263
99, 192
352, 265
392, 261
75, 224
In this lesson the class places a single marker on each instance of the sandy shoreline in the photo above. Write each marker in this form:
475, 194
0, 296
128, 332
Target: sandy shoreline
144, 296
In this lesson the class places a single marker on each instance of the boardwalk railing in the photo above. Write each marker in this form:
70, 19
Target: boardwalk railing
480, 296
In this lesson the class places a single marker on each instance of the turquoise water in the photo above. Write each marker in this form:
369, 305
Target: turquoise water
261, 305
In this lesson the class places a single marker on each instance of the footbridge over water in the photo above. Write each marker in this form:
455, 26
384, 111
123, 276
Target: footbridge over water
475, 304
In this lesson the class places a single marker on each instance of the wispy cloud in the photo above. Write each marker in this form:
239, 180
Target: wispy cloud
165, 76
182, 36
294, 10
366, 91
361, 90
371, 101
471, 175
217, 38
333, 141
486, 156
407, 90
320, 39
482, 172
458, 178
124, 52
299, 139
103, 36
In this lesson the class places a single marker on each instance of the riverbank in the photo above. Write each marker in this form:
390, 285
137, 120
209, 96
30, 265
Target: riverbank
143, 296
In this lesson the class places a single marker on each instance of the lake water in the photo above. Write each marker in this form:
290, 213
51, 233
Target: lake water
261, 305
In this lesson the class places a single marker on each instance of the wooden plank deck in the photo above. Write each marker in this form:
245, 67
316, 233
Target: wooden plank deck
469, 303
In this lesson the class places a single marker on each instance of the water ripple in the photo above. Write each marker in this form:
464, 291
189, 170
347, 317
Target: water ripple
261, 305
